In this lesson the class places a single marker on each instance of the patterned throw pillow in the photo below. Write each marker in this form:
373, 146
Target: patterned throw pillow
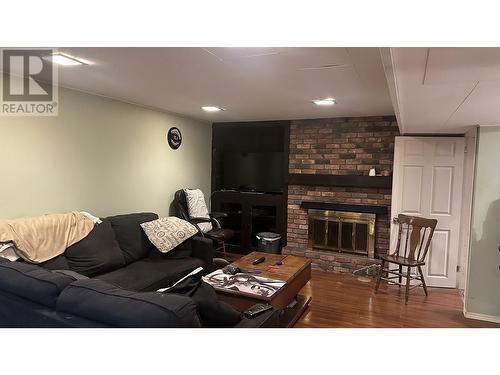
197, 207
168, 232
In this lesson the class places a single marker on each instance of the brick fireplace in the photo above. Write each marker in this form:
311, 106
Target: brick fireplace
322, 149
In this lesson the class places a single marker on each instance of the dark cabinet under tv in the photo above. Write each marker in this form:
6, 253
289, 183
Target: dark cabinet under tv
249, 174
248, 214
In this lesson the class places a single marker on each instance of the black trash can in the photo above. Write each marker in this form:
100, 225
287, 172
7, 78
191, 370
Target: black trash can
269, 242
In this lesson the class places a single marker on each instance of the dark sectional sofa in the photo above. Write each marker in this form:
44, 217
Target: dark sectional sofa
108, 279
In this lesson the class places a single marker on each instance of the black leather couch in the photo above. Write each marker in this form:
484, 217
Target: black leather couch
108, 279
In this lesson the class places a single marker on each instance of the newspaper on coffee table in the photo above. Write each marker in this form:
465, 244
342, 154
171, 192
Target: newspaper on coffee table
244, 283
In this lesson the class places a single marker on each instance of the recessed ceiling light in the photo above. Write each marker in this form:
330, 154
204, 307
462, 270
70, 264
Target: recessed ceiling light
212, 108
327, 101
66, 60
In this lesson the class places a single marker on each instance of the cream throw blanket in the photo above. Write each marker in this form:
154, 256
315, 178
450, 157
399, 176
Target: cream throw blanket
41, 238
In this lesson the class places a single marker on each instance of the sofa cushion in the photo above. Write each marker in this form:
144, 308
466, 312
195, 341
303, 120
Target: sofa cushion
196, 247
151, 274
32, 282
106, 303
168, 232
184, 250
58, 263
97, 253
130, 236
73, 274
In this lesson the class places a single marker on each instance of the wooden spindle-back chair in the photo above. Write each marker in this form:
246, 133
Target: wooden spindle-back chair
414, 238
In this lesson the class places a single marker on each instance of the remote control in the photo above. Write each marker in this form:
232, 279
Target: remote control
257, 309
260, 260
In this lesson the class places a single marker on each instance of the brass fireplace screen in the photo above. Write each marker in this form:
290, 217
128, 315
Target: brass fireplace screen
349, 232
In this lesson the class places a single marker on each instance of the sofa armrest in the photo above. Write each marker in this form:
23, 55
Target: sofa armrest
198, 220
203, 248
108, 304
32, 282
218, 215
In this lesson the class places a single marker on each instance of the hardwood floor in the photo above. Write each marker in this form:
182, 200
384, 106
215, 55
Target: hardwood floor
340, 300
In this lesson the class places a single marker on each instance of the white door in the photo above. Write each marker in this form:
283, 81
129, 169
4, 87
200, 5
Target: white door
427, 182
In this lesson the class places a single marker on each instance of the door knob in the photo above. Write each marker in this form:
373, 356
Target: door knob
395, 220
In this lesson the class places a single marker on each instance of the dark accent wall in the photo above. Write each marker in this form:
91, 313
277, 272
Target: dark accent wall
254, 208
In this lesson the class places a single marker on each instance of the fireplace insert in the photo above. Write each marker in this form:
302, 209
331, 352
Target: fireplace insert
349, 232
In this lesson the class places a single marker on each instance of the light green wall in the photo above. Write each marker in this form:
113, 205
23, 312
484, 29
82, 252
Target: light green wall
99, 155
483, 284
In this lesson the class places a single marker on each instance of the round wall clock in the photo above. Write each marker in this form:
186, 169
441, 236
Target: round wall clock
174, 138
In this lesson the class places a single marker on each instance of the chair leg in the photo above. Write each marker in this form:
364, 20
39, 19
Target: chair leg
220, 247
407, 293
400, 275
380, 271
224, 248
423, 280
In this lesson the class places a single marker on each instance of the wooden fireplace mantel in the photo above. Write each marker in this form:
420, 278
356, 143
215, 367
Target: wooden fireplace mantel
380, 210
337, 180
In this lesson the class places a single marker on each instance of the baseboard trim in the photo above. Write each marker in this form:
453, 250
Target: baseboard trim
487, 318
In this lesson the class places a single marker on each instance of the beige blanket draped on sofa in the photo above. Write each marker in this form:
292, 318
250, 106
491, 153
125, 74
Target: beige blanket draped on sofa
41, 238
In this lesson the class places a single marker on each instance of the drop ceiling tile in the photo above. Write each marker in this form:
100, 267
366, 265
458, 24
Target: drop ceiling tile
462, 65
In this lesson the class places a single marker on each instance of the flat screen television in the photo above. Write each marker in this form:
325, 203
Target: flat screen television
253, 171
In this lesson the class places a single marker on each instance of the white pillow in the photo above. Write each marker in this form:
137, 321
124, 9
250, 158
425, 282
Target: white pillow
168, 232
8, 251
197, 208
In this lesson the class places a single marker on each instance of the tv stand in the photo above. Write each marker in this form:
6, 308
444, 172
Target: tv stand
250, 213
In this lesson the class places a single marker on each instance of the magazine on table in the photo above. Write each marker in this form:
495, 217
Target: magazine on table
244, 282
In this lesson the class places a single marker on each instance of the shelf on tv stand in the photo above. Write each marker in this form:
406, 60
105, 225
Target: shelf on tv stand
252, 214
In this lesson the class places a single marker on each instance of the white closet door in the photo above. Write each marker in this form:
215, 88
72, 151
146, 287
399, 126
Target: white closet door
427, 182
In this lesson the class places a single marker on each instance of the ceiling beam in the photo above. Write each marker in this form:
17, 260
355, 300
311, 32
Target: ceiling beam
390, 75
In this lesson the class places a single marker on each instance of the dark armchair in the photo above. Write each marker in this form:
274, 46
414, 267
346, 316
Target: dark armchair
217, 234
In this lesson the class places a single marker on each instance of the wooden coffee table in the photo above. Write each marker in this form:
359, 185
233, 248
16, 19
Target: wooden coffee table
295, 272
